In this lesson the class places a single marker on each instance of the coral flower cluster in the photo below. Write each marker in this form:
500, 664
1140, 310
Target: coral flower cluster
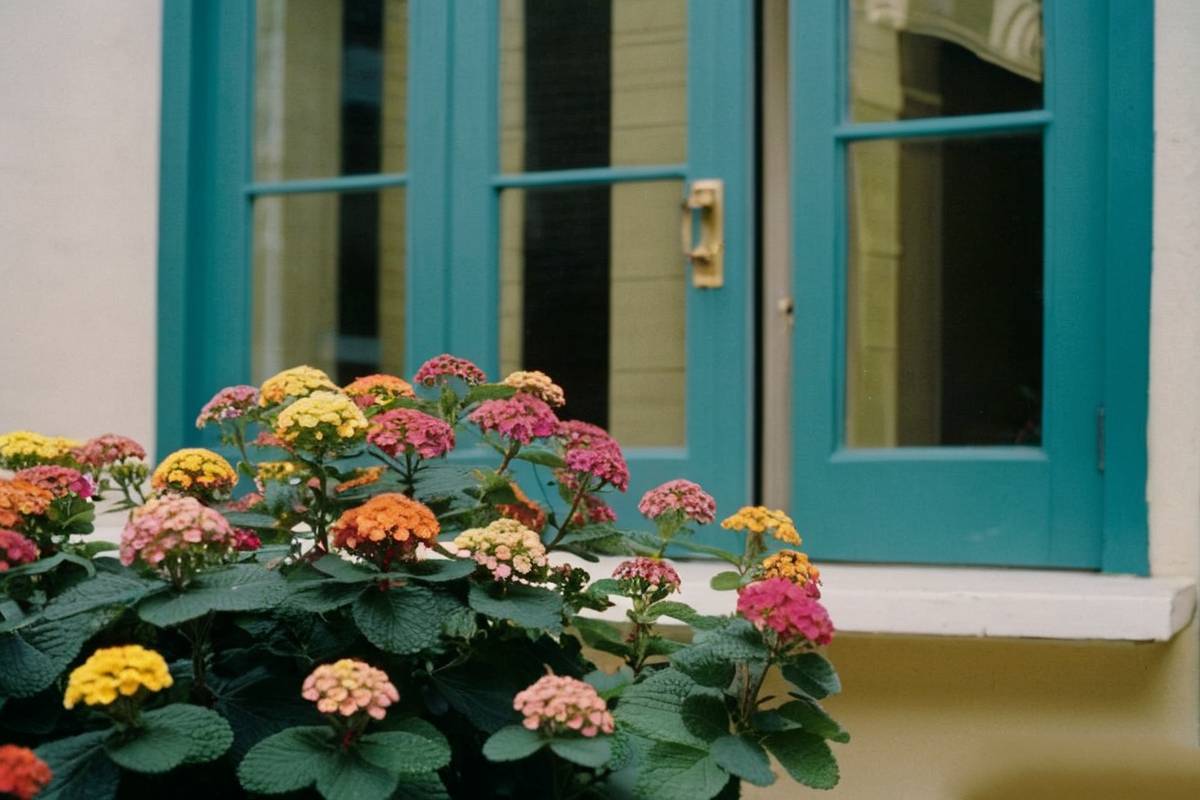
195, 471
405, 431
322, 422
557, 704
524, 510
114, 672
505, 547
363, 476
760, 519
793, 566
348, 687
19, 449
589, 450
176, 534
379, 391
106, 450
59, 481
22, 773
679, 497
643, 576
20, 500
15, 550
782, 606
520, 418
386, 528
440, 369
292, 384
537, 384
232, 402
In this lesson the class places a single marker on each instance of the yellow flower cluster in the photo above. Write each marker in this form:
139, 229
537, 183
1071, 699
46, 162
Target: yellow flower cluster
537, 384
20, 449
322, 421
760, 519
194, 471
790, 564
295, 382
114, 672
278, 471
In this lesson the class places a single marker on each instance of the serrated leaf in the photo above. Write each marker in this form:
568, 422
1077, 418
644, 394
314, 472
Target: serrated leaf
405, 752
542, 457
435, 570
745, 758
104, 589
684, 613
170, 736
654, 708
735, 640
601, 635
402, 620
512, 743
34, 655
604, 587
241, 587
421, 787
527, 606
813, 675
476, 691
806, 757
324, 596
44, 565
705, 665
442, 480
80, 768
708, 550
344, 571
592, 752
609, 685
258, 704
809, 716
678, 772
725, 581
287, 761
705, 717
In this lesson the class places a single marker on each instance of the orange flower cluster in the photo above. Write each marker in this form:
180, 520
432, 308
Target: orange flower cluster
793, 566
524, 511
22, 773
20, 499
386, 528
378, 390
363, 476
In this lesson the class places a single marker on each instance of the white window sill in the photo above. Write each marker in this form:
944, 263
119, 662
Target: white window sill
962, 601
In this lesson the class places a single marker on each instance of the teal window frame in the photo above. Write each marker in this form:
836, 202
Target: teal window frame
1069, 503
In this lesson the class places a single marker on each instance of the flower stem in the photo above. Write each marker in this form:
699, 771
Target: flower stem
562, 526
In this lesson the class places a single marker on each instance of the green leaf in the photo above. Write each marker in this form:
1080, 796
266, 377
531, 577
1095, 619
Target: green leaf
809, 716
406, 752
512, 743
745, 758
324, 596
257, 704
251, 519
488, 391
402, 620
542, 457
806, 757
609, 685
92, 549
705, 717
288, 761
592, 752
435, 570
654, 708
426, 786
604, 587
735, 640
443, 480
682, 612
241, 587
476, 691
104, 589
344, 571
601, 635
708, 550
726, 581
678, 772
81, 769
527, 606
44, 565
170, 736
34, 655
813, 675
705, 665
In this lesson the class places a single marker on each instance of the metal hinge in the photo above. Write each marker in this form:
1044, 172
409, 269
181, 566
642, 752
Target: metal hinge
1100, 443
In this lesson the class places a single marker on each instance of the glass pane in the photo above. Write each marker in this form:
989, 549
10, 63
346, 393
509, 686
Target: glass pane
592, 83
329, 283
592, 292
942, 58
330, 88
944, 292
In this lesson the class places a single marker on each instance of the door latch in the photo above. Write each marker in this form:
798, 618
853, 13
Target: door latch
705, 199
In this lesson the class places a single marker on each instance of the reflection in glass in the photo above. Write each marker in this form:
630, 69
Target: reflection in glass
329, 283
932, 58
592, 83
330, 87
944, 292
593, 293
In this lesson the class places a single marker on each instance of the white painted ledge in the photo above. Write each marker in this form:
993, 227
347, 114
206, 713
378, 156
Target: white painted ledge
945, 601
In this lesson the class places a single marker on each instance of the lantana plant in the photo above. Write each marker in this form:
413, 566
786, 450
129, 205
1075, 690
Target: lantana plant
349, 592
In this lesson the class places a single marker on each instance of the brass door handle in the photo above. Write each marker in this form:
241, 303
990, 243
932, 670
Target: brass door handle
706, 198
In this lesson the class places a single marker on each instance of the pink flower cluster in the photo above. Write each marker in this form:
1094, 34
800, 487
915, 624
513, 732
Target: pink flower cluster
229, 403
590, 450
348, 687
785, 608
245, 540
406, 430
441, 368
679, 496
557, 704
643, 575
59, 481
520, 418
245, 503
15, 550
108, 449
593, 510
178, 528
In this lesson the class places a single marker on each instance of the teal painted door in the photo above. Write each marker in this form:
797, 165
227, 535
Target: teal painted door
949, 277
568, 138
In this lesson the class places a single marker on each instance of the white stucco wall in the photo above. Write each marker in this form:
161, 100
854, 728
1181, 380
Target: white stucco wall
79, 88
1174, 425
